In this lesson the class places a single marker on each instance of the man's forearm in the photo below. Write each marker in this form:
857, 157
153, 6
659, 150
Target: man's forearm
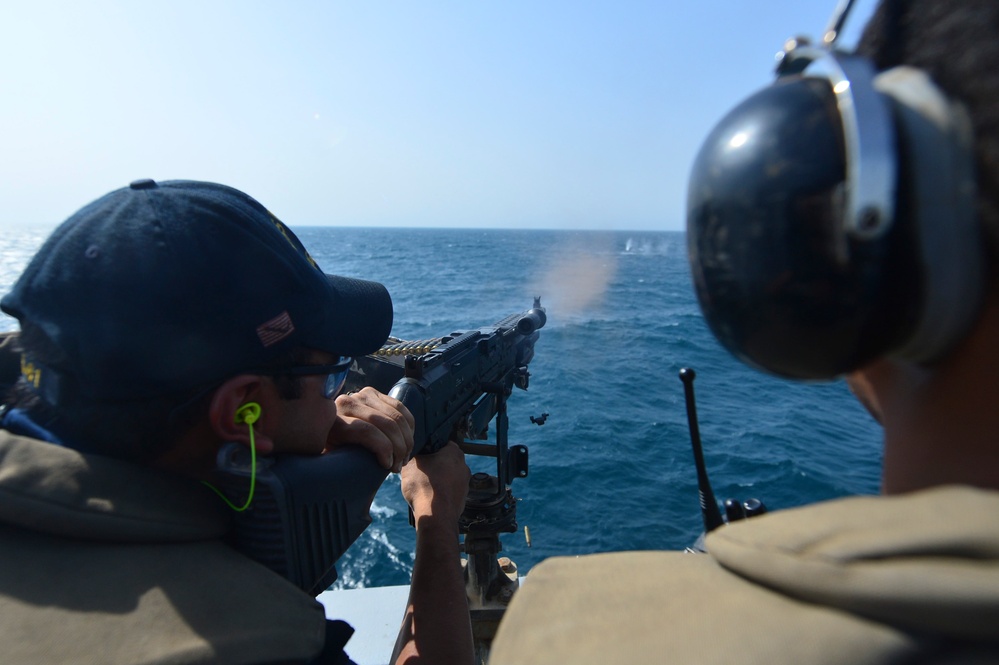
436, 628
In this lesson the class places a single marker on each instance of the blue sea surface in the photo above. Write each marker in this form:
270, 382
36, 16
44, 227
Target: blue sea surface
612, 467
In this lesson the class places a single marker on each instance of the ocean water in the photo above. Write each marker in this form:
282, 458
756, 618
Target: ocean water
612, 468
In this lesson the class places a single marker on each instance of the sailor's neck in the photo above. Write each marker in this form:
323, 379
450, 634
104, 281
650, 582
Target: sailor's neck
942, 423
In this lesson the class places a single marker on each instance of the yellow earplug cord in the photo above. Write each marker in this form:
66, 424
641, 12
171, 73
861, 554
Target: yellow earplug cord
248, 413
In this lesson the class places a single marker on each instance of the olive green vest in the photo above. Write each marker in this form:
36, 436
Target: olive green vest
862, 580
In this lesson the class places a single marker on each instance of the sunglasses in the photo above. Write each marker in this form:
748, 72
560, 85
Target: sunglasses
336, 374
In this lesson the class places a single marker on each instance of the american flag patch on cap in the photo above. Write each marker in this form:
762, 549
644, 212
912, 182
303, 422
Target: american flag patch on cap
273, 331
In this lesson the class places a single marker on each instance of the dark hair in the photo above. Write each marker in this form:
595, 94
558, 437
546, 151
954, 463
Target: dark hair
957, 43
136, 431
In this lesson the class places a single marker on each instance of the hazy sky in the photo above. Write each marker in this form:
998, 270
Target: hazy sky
513, 114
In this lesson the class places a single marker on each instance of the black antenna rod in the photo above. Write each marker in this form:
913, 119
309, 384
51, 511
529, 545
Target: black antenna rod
836, 22
709, 505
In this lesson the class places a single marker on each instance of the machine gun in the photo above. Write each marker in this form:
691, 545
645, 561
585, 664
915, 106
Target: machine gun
455, 386
455, 389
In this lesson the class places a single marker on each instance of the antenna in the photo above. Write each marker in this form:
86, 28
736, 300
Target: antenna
836, 22
709, 505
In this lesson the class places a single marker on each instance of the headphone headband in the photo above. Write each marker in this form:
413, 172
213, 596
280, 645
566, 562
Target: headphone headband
869, 141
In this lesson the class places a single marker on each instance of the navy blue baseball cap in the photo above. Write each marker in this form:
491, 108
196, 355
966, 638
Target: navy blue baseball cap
159, 288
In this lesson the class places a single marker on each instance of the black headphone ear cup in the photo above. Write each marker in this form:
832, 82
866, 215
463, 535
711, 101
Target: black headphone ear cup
780, 280
936, 198
808, 233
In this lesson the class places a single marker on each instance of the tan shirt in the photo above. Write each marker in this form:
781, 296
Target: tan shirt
859, 580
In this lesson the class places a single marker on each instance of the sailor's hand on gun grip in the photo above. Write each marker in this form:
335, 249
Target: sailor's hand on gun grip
437, 484
377, 422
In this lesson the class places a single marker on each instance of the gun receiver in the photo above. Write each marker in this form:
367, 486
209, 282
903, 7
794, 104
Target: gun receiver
456, 389
456, 385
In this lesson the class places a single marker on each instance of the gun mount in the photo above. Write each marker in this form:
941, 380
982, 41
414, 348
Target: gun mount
455, 386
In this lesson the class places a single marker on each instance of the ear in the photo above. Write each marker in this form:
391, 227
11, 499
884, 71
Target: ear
227, 399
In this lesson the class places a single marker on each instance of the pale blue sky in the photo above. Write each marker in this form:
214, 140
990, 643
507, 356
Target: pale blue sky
510, 114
